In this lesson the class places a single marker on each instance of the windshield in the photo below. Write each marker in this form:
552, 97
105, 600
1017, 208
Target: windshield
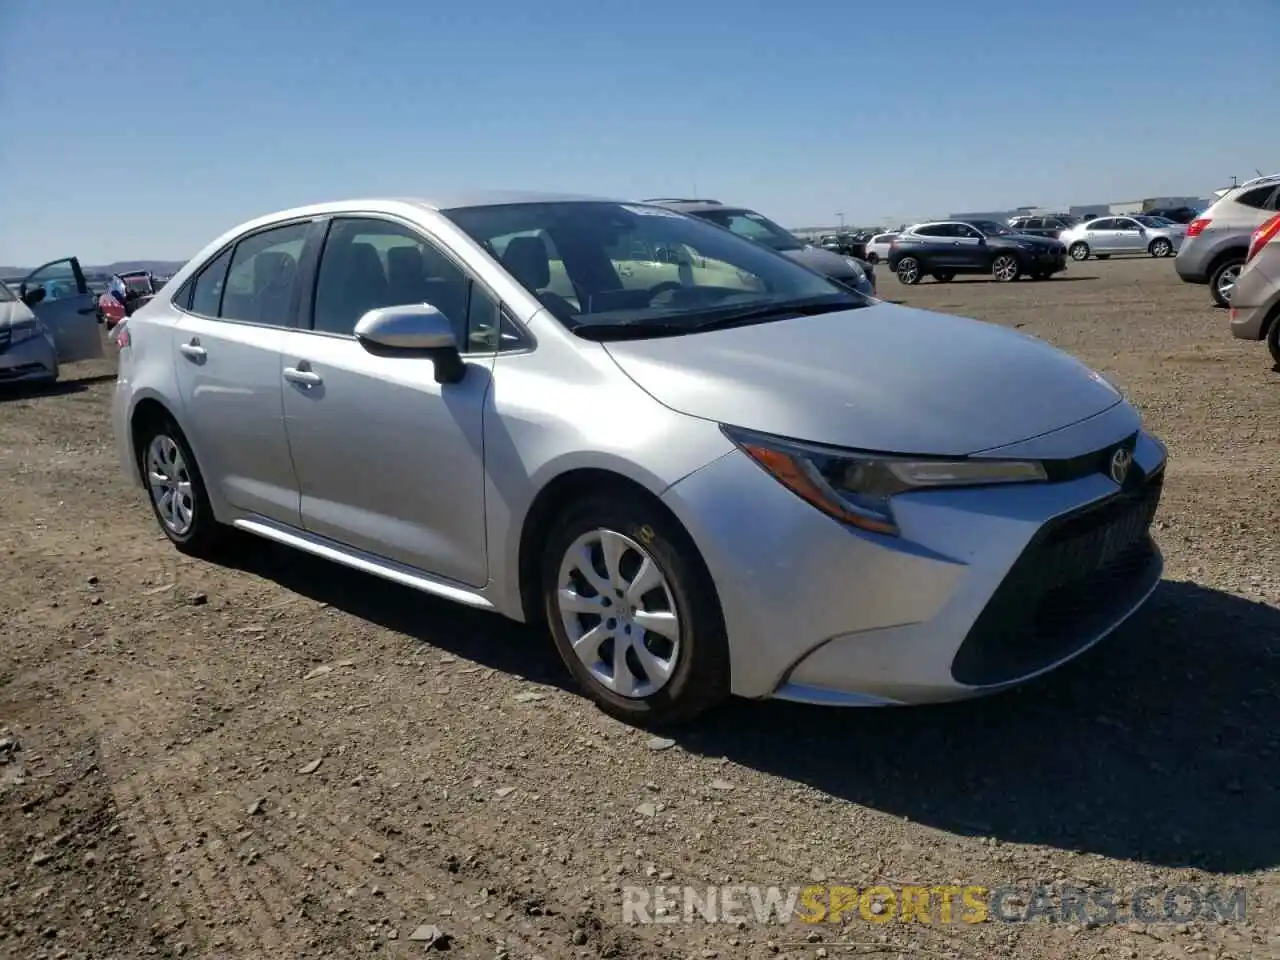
140, 283
990, 228
6, 295
596, 263
1150, 221
747, 223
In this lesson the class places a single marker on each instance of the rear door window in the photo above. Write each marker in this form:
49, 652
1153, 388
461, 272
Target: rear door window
263, 276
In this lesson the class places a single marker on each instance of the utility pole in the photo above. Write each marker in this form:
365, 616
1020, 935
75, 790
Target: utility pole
841, 216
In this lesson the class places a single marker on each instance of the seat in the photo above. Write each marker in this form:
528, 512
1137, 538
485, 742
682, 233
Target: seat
406, 276
352, 284
273, 275
527, 261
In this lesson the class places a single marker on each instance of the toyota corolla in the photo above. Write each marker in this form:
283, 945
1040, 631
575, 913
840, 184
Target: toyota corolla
719, 474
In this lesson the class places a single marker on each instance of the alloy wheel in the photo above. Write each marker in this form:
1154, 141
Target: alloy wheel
1079, 251
1227, 281
1005, 268
1161, 248
619, 613
169, 482
908, 271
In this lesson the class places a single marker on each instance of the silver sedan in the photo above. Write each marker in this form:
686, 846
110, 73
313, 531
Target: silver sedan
1105, 236
719, 473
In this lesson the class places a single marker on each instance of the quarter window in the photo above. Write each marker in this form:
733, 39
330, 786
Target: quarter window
263, 275
206, 289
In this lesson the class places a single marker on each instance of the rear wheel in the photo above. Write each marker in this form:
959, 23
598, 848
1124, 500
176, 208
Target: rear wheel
1005, 268
1160, 247
1079, 251
909, 271
1222, 282
634, 612
944, 277
873, 258
176, 489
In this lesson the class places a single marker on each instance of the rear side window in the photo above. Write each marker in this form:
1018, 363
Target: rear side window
263, 274
934, 230
206, 288
1261, 198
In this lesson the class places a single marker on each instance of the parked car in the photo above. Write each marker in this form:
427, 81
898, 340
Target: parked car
139, 287
470, 398
1255, 307
845, 244
1050, 226
1107, 236
50, 319
878, 247
944, 248
1176, 214
850, 271
1218, 240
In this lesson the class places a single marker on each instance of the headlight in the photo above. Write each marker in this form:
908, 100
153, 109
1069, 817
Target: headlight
856, 487
23, 330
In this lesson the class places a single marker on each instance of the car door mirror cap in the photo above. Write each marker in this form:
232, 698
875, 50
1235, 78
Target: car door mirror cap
33, 295
413, 329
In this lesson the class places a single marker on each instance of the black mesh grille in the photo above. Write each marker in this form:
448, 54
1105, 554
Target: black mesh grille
1077, 575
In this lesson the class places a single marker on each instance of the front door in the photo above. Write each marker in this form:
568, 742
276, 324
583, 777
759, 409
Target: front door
969, 249
69, 309
226, 346
389, 461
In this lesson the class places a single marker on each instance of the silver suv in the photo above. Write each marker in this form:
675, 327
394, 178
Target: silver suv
1217, 241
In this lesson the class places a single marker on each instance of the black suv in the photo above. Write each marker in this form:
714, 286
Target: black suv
1176, 214
945, 248
1045, 225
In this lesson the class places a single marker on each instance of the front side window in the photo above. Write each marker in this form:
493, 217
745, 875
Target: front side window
264, 270
989, 228
746, 223
596, 264
367, 264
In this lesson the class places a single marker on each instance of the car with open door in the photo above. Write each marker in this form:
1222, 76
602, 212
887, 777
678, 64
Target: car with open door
55, 301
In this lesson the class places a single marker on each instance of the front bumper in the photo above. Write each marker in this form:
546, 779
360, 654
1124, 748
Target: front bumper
35, 359
986, 587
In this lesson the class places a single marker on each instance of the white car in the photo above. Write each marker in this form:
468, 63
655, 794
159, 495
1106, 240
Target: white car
878, 247
1105, 236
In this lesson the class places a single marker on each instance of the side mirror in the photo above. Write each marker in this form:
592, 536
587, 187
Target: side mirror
33, 295
415, 329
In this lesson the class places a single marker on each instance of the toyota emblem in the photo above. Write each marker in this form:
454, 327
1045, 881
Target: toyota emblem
1121, 460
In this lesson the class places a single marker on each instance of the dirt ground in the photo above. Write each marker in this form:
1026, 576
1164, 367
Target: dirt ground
289, 759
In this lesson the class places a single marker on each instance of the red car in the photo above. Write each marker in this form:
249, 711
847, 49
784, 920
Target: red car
139, 286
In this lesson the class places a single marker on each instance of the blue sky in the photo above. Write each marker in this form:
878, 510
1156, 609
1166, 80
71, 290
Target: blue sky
211, 113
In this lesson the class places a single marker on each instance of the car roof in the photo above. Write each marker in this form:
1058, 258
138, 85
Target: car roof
689, 205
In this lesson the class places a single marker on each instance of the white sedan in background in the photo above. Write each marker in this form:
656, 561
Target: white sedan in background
1105, 236
878, 247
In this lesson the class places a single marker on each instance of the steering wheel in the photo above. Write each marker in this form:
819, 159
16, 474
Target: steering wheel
666, 285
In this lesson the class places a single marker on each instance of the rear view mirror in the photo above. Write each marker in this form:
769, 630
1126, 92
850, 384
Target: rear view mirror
33, 295
415, 329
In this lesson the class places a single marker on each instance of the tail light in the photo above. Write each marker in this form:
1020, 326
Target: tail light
1262, 236
1196, 227
121, 334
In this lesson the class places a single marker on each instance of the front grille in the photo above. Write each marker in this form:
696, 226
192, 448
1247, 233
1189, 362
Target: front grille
1077, 576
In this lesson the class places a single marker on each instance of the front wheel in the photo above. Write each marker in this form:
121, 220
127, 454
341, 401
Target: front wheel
1079, 251
1160, 247
1222, 282
176, 489
909, 271
1005, 268
634, 612
1273, 341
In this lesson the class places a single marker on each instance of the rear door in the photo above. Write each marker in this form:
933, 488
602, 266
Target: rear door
69, 308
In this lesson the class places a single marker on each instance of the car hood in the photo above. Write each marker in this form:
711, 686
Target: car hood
824, 261
14, 311
885, 378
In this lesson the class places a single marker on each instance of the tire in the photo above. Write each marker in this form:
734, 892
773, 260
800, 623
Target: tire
194, 531
908, 271
1079, 250
944, 277
697, 658
1005, 268
1273, 341
1160, 248
873, 258
1222, 281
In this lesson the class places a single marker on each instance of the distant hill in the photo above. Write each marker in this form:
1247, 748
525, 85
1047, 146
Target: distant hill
161, 268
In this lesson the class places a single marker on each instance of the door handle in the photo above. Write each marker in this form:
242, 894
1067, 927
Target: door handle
193, 350
303, 378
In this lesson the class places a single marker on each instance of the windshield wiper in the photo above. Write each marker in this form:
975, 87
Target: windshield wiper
777, 311
644, 329
631, 330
